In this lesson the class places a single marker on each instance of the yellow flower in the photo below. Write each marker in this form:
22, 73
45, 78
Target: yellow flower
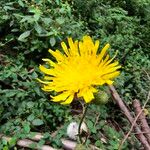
78, 71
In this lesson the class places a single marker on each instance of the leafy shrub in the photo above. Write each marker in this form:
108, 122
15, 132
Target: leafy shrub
22, 100
38, 25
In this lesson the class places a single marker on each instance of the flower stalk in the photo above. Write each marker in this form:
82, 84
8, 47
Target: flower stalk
85, 108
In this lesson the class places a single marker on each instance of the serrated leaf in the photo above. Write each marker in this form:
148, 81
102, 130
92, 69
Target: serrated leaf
24, 35
37, 122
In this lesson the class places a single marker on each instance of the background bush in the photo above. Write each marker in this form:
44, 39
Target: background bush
28, 28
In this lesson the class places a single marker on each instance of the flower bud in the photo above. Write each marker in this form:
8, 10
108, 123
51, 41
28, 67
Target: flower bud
101, 98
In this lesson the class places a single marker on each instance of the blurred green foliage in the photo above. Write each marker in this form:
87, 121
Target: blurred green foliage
28, 28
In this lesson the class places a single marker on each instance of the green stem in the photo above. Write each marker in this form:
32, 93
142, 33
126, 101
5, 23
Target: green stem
81, 121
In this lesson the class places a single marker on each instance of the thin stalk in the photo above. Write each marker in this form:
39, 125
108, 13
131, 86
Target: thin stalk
81, 121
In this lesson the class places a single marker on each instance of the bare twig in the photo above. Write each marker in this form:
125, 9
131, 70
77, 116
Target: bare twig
133, 124
27, 143
142, 132
36, 137
97, 118
148, 76
122, 106
70, 145
142, 119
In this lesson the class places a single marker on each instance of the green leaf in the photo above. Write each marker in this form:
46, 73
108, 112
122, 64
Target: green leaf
46, 21
46, 135
52, 41
98, 143
36, 17
41, 143
60, 20
20, 3
30, 104
37, 122
38, 28
8, 8
26, 127
30, 117
1, 109
33, 145
24, 35
13, 141
90, 124
11, 93
5, 148
4, 141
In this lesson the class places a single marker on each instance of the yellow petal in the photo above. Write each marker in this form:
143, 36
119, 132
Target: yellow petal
106, 59
44, 82
110, 70
46, 90
47, 71
87, 94
109, 82
48, 78
49, 61
64, 46
102, 53
73, 49
113, 64
48, 87
111, 75
88, 45
96, 46
57, 54
76, 45
68, 100
108, 62
61, 97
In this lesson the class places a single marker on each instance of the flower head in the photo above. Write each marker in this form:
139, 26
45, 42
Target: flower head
78, 71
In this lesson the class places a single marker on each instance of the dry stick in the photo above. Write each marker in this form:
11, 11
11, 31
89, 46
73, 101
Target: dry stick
27, 143
142, 132
136, 118
122, 106
68, 144
142, 119
38, 136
